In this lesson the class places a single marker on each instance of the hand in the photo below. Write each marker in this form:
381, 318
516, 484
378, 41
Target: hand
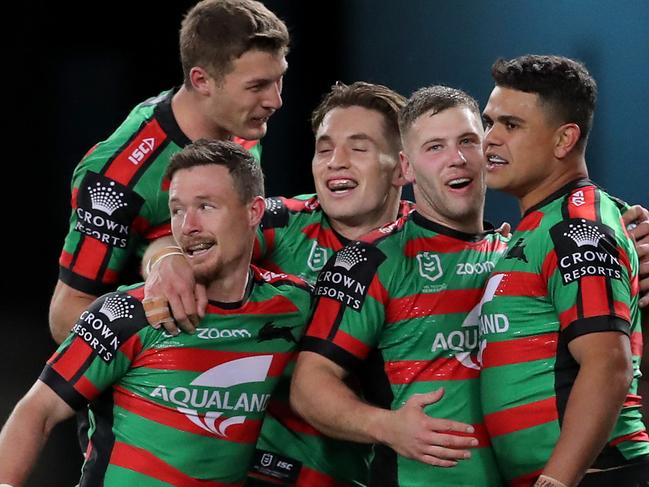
414, 434
505, 230
171, 284
636, 220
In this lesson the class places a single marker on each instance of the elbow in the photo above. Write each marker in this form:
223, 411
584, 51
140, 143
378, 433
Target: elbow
297, 397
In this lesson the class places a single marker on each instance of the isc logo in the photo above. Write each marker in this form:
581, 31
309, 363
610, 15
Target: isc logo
142, 150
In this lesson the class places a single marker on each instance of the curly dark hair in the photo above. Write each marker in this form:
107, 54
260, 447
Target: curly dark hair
564, 85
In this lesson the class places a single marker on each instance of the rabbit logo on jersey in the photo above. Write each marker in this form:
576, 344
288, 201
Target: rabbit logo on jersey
210, 390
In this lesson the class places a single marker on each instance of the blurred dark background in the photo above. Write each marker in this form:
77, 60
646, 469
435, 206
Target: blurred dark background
74, 70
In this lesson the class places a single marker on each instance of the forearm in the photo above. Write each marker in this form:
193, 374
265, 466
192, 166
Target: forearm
21, 441
592, 410
65, 308
327, 403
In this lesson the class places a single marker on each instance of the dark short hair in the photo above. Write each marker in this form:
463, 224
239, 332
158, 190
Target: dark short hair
242, 166
367, 95
436, 98
216, 32
563, 85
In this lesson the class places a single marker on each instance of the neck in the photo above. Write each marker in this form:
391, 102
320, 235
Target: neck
230, 288
353, 229
552, 183
472, 224
186, 106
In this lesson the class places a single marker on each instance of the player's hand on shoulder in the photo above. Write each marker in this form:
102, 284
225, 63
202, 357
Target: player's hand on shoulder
636, 220
173, 299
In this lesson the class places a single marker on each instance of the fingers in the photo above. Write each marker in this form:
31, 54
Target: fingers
201, 299
639, 232
636, 212
505, 229
180, 314
157, 313
421, 400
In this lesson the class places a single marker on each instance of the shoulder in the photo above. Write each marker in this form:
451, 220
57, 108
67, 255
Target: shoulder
279, 209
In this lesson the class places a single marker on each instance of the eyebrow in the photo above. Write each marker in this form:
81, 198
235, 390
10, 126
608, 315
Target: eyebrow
443, 139
504, 118
359, 136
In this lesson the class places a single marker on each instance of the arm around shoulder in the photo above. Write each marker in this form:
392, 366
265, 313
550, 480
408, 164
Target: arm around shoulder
27, 430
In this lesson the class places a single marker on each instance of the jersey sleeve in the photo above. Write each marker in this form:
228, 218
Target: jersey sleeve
99, 350
110, 220
349, 308
591, 271
271, 229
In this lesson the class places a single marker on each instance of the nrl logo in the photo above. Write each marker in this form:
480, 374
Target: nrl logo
430, 266
317, 257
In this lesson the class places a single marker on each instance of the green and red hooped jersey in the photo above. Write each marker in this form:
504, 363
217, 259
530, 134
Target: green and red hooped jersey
120, 198
570, 269
295, 237
403, 311
183, 410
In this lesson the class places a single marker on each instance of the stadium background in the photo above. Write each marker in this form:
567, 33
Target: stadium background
75, 69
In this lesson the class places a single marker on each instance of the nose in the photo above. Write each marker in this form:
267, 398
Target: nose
339, 158
459, 159
273, 98
191, 222
491, 137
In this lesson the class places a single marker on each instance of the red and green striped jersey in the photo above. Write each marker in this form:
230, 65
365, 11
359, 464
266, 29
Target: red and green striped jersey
296, 237
178, 410
402, 310
570, 270
120, 199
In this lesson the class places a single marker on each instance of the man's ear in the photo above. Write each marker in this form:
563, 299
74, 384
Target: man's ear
201, 81
256, 210
407, 172
566, 138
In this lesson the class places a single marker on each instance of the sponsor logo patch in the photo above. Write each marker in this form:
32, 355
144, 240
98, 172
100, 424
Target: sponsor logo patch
585, 249
276, 466
106, 209
317, 257
346, 277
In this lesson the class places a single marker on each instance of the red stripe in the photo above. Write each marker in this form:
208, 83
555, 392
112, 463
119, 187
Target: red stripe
446, 244
632, 401
521, 284
269, 237
197, 360
73, 199
246, 144
66, 259
636, 344
567, 317
325, 236
324, 318
530, 222
274, 305
521, 417
520, 350
132, 347
141, 461
90, 256
378, 291
246, 432
581, 203
297, 205
283, 413
636, 436
351, 344
525, 480
594, 296
549, 265
122, 169
72, 359
448, 368
86, 388
443, 302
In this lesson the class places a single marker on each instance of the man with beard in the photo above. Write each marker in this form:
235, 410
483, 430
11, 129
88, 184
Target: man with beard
179, 410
